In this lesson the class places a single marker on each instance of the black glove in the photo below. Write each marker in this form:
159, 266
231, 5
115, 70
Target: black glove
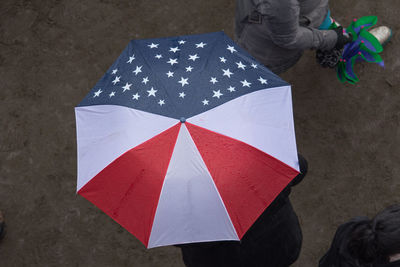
328, 59
342, 39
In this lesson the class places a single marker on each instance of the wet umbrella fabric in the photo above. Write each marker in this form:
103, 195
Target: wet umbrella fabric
185, 139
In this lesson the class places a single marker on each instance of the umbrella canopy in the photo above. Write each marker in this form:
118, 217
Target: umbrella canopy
185, 139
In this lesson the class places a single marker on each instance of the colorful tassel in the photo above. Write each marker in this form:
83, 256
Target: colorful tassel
364, 47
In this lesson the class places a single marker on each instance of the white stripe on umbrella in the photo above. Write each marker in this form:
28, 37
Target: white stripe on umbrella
190, 208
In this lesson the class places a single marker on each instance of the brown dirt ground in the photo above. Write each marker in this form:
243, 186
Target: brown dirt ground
53, 51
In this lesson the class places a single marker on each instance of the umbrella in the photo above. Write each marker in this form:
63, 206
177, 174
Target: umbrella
185, 139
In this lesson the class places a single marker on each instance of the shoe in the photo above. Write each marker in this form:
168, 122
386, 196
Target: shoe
382, 33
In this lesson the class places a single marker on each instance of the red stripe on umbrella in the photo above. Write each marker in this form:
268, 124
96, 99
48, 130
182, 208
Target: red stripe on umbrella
247, 179
129, 188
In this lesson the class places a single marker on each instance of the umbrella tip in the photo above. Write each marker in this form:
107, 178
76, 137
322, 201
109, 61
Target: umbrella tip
183, 119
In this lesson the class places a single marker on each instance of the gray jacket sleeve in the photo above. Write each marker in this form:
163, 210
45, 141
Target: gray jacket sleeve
282, 19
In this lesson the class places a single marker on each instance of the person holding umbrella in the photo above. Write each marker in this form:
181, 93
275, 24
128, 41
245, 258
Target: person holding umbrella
186, 139
363, 242
273, 240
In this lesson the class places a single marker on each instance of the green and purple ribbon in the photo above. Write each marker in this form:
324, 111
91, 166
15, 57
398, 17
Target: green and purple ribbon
364, 47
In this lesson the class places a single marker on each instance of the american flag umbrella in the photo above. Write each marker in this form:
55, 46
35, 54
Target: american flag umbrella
185, 139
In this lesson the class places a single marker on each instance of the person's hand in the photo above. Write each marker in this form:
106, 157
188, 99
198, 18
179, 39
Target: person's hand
342, 38
328, 59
